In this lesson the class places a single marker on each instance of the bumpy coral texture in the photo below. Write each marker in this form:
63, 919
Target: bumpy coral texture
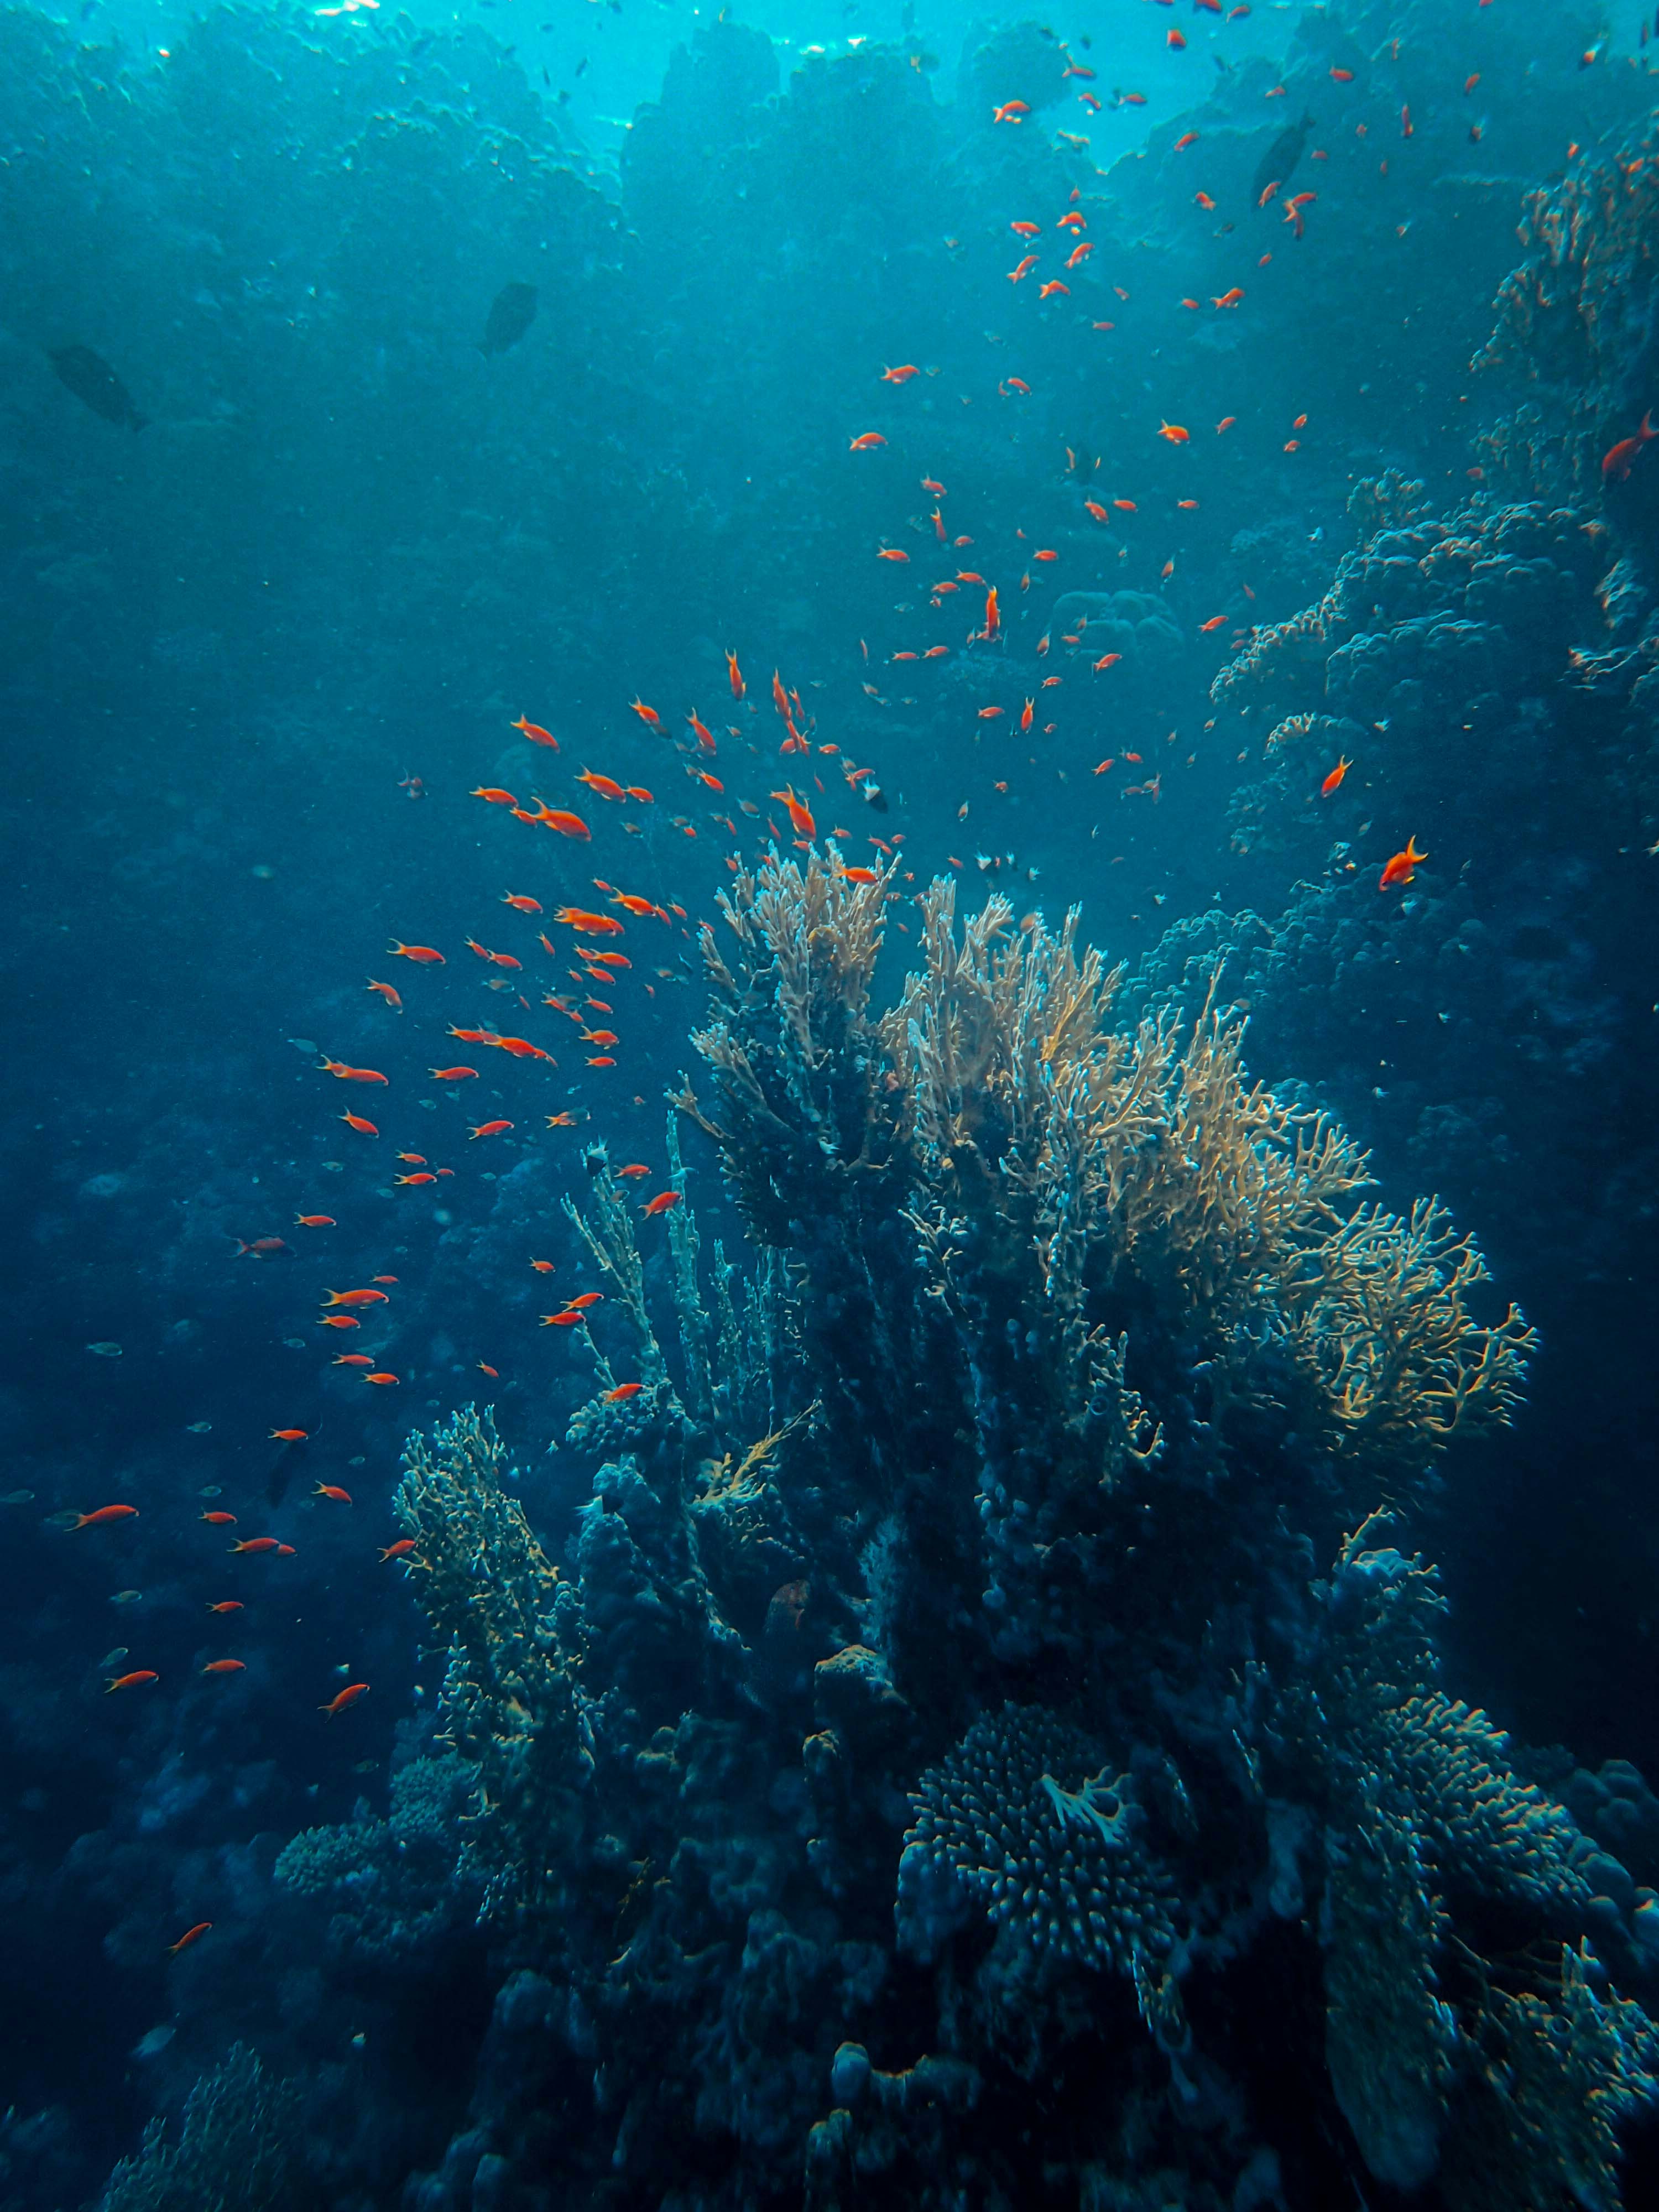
940, 1689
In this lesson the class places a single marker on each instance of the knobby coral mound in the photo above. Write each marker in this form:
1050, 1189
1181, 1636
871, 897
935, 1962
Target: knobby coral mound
941, 1692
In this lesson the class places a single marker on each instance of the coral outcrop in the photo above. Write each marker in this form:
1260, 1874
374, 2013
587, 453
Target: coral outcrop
981, 1642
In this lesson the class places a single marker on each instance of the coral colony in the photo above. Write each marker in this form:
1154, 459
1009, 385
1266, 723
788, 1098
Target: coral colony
993, 1631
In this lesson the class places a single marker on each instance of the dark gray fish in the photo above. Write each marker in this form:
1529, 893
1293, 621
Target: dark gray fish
512, 312
95, 383
1280, 158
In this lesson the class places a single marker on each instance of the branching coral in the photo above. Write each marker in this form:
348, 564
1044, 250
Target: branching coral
1066, 1345
239, 2148
509, 1702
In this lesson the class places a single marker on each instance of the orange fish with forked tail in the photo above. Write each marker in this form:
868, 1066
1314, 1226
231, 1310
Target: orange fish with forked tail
1403, 867
800, 817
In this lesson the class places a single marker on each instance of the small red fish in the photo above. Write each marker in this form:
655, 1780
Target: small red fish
735, 675
314, 1221
663, 1200
453, 1074
864, 444
1214, 622
635, 1168
219, 1520
365, 1297
345, 1700
525, 904
228, 1605
385, 1379
132, 1681
386, 992
1403, 867
290, 1436
900, 375
225, 1667
800, 817
103, 1513
400, 1550
590, 925
1333, 781
337, 1067
364, 1127
622, 1391
493, 795
1174, 433
1617, 462
354, 1359
489, 1129
565, 823
190, 1935
536, 735
332, 1489
256, 1544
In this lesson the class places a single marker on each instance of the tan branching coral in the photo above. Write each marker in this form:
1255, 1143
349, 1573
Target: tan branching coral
1378, 1311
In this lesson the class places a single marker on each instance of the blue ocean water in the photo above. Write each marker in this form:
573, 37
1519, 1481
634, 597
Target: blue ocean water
889, 1565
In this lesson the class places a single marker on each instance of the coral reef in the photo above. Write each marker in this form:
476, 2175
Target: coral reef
941, 1686
239, 2149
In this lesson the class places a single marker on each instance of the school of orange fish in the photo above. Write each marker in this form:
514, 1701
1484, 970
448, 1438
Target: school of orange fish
590, 966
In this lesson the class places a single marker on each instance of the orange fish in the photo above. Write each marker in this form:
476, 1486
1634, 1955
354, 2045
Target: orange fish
387, 993
860, 875
1012, 111
1333, 781
365, 1297
1230, 299
290, 1436
622, 1391
1176, 40
1018, 275
400, 1550
1401, 868
705, 736
899, 375
337, 1067
565, 1320
314, 1221
1174, 433
883, 553
633, 1169
422, 953
590, 925
565, 1120
489, 1129
522, 902
992, 616
452, 1074
190, 1935
638, 790
1046, 292
219, 1520
224, 1666
493, 795
648, 716
605, 786
1026, 229
1203, 200
103, 1513
414, 1180
566, 824
663, 1202
339, 1321
581, 1302
1107, 660
228, 1605
631, 902
1214, 622
735, 675
132, 1681
605, 959
1225, 423
382, 1378
862, 445
345, 1700
601, 1060
256, 1544
1617, 462
354, 1359
1026, 714
536, 735
800, 817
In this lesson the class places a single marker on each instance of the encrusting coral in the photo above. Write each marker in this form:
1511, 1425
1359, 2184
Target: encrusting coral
942, 1687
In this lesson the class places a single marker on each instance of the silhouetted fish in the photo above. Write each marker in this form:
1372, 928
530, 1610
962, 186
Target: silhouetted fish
1280, 159
512, 312
94, 382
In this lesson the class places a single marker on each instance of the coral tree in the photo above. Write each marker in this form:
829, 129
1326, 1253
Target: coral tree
985, 1660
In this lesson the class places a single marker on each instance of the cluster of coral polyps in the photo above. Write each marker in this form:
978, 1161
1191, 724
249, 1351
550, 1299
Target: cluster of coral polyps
960, 1680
